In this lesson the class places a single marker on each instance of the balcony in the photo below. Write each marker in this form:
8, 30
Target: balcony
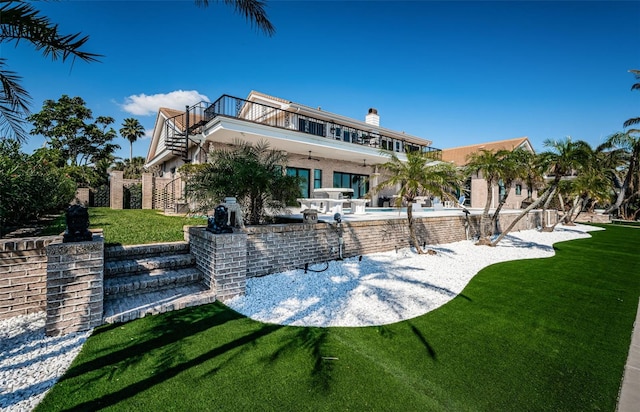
237, 108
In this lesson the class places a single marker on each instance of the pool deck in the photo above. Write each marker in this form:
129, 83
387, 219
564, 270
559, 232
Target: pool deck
374, 214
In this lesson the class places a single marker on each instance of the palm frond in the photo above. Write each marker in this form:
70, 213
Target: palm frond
20, 21
14, 105
632, 121
252, 10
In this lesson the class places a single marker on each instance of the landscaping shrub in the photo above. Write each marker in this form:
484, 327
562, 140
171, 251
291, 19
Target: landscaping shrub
31, 185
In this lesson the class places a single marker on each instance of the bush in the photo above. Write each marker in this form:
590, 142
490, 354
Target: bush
253, 174
31, 185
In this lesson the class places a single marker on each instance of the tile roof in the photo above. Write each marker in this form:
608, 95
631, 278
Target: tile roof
458, 155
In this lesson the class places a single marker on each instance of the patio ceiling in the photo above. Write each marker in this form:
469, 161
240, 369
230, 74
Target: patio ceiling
227, 130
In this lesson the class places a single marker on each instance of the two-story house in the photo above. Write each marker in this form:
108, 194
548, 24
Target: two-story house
325, 149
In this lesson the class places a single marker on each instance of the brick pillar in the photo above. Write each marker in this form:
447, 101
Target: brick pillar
82, 196
147, 191
116, 188
222, 259
75, 293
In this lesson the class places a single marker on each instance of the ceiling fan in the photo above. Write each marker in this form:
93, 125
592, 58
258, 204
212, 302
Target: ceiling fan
312, 158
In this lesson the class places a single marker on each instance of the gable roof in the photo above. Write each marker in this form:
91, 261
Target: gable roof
458, 155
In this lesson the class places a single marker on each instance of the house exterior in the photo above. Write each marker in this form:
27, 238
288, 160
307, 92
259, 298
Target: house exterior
325, 149
476, 186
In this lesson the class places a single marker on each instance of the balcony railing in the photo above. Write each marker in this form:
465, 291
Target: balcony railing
237, 108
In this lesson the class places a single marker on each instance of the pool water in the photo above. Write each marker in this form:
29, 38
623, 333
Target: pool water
391, 209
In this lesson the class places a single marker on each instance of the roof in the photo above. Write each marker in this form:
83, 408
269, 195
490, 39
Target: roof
169, 113
266, 96
458, 155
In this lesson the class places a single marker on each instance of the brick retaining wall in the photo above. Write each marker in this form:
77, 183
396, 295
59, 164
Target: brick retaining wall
277, 248
23, 275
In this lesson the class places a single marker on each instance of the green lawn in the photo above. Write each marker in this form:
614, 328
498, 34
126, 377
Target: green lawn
543, 334
132, 226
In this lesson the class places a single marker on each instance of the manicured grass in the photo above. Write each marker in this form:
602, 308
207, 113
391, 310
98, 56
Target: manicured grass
133, 226
543, 334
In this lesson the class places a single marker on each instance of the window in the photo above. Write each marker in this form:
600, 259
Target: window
398, 147
518, 190
502, 190
303, 174
317, 179
359, 183
311, 127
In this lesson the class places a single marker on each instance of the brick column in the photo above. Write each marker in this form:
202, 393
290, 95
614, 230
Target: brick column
147, 191
82, 196
75, 293
222, 259
116, 189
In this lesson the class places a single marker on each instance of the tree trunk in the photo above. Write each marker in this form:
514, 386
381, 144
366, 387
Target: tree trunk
412, 230
562, 207
566, 219
544, 212
525, 212
627, 181
484, 237
494, 218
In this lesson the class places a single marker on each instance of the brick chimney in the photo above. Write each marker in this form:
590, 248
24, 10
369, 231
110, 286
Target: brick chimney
372, 117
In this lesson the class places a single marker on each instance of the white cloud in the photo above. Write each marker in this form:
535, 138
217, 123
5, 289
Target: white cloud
144, 105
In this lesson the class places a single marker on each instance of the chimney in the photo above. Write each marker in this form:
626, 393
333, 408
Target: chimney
372, 117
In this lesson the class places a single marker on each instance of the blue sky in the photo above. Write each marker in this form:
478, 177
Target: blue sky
456, 73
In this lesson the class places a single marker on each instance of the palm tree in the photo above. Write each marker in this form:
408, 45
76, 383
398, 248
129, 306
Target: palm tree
419, 175
493, 168
634, 120
630, 143
131, 130
563, 157
590, 184
252, 173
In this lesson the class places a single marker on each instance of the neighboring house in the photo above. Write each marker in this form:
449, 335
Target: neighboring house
324, 148
476, 186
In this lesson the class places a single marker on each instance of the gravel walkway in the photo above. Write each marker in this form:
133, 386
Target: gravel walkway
30, 362
378, 289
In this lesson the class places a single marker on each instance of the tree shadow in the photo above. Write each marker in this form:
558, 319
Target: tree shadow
335, 298
423, 340
170, 327
169, 363
313, 341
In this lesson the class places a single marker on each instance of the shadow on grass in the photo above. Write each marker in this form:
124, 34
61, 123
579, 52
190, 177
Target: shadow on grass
423, 340
314, 342
170, 329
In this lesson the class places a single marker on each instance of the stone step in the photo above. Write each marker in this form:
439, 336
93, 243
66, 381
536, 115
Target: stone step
129, 267
138, 251
154, 280
138, 306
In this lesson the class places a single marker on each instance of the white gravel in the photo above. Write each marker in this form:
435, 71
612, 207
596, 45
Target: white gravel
30, 362
387, 287
380, 289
